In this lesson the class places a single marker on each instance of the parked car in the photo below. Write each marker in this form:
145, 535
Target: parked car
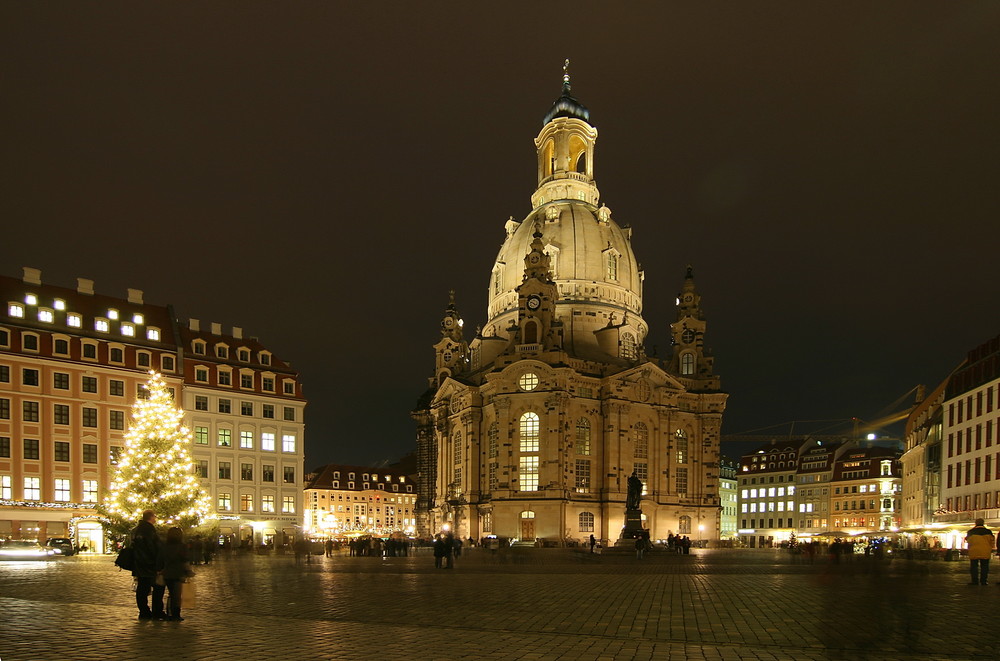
64, 545
23, 549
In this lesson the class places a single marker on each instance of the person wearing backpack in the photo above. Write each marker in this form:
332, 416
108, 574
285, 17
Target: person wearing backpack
146, 552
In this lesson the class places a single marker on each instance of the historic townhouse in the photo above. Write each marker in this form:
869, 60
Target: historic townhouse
342, 500
867, 485
921, 462
970, 432
531, 430
72, 362
767, 492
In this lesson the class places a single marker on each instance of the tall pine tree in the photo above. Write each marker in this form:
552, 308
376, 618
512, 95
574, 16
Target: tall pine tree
155, 469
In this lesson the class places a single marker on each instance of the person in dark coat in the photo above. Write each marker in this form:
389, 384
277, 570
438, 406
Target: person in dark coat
174, 561
440, 551
146, 547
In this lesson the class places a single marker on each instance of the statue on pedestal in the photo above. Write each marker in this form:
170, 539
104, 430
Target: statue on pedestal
634, 492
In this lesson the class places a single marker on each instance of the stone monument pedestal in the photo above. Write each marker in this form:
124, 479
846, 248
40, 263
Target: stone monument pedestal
631, 530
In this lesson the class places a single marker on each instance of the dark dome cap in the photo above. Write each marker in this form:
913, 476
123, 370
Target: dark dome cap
566, 105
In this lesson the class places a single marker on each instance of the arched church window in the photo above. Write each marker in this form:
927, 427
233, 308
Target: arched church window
628, 346
530, 332
529, 432
640, 434
684, 525
583, 436
681, 446
687, 364
586, 522
457, 452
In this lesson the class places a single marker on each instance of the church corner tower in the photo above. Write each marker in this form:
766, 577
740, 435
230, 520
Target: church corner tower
530, 430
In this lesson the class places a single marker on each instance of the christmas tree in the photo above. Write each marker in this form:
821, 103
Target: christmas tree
155, 470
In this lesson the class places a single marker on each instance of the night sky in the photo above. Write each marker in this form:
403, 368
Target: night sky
321, 174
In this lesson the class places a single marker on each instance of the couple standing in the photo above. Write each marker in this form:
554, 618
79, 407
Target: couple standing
159, 567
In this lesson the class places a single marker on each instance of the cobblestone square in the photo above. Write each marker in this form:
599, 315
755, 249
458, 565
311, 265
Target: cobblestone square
539, 604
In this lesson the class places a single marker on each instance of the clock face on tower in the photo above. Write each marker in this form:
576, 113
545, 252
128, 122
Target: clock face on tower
687, 337
534, 302
448, 322
533, 259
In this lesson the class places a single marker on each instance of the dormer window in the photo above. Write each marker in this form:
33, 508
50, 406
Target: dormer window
198, 346
243, 355
221, 351
138, 319
45, 315
265, 358
153, 333
59, 304
15, 310
30, 299
128, 330
101, 325
74, 320
112, 314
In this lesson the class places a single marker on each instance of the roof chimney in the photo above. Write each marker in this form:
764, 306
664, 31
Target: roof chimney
32, 276
85, 286
237, 332
135, 296
216, 329
194, 324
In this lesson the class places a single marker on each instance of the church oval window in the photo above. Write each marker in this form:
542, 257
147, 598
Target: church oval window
528, 381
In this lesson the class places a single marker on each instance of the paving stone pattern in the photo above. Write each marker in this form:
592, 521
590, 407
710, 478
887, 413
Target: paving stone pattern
538, 604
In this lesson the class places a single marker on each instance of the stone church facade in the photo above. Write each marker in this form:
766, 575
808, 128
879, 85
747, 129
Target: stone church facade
531, 429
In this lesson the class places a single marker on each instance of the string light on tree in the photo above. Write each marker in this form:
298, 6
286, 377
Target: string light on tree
155, 470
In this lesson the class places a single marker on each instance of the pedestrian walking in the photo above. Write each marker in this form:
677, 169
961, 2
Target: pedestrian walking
593, 543
440, 550
146, 548
980, 542
175, 570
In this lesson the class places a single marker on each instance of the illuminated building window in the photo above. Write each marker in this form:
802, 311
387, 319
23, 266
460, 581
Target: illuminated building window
267, 503
225, 438
153, 334
684, 525
90, 491
528, 381
225, 502
61, 490
628, 346
529, 432
288, 504
138, 319
45, 315
101, 325
32, 488
687, 364
288, 443
128, 330
246, 439
15, 310
267, 441
611, 265
586, 522
112, 314
74, 320
6, 487
59, 304
528, 476
201, 435
642, 472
